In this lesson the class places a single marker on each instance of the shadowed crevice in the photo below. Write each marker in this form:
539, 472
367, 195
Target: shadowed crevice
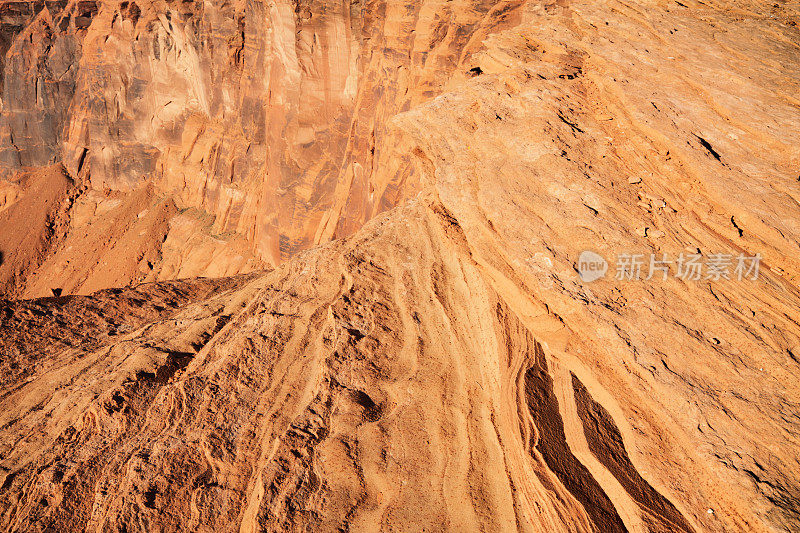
605, 442
552, 444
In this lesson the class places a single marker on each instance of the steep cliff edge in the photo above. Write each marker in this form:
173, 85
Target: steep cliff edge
444, 366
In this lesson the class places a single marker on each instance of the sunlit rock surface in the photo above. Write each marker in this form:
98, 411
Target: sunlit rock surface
442, 366
266, 125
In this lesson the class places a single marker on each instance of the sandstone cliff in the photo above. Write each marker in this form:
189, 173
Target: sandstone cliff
262, 126
443, 367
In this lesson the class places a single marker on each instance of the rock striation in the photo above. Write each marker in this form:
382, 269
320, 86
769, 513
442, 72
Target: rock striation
396, 335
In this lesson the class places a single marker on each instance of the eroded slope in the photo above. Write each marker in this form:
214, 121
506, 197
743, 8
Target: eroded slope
445, 367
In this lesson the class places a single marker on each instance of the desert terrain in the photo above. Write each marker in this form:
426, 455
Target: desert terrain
316, 266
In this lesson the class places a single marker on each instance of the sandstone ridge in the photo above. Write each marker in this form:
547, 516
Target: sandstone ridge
441, 366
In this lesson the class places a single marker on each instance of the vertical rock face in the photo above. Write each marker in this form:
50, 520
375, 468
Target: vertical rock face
442, 365
269, 121
41, 49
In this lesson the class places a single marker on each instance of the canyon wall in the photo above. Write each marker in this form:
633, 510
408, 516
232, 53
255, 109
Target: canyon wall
262, 127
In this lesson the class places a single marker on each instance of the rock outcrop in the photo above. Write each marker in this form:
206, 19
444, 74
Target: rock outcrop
266, 124
442, 366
